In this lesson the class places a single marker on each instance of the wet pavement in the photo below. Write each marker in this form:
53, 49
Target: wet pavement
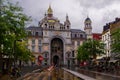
54, 74
67, 74
98, 75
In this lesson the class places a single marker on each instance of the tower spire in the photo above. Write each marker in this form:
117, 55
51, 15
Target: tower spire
50, 11
67, 18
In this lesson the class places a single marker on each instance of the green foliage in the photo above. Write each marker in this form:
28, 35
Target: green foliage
22, 52
116, 41
90, 48
82, 54
12, 29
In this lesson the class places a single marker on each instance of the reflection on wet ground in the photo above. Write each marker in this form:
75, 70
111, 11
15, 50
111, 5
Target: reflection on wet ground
97, 75
60, 74
55, 74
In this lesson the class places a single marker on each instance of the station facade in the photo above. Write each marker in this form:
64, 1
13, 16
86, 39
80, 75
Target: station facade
56, 42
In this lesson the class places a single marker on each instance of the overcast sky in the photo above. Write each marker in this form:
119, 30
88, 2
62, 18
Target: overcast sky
99, 11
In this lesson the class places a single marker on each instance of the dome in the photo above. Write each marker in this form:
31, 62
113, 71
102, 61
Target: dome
87, 19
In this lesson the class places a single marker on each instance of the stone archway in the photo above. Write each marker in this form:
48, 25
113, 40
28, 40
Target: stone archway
56, 60
57, 55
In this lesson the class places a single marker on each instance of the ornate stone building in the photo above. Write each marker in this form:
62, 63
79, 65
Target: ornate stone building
56, 42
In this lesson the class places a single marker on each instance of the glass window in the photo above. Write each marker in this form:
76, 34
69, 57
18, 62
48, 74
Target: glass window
33, 41
73, 61
45, 62
73, 42
81, 36
36, 33
33, 33
67, 27
68, 34
39, 41
33, 48
68, 55
39, 48
78, 43
45, 54
73, 54
75, 35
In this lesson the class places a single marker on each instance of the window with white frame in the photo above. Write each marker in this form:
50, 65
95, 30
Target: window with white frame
33, 41
33, 48
39, 48
39, 41
46, 55
78, 43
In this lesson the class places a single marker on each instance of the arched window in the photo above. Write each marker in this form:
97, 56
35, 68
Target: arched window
36, 33
45, 55
81, 36
67, 27
73, 55
45, 25
68, 55
75, 35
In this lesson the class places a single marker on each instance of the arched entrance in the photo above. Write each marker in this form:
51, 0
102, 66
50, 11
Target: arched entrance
56, 60
57, 51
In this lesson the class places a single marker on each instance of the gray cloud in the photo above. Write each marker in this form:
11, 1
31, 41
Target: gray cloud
100, 11
96, 3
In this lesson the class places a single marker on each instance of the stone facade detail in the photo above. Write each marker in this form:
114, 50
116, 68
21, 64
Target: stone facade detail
55, 41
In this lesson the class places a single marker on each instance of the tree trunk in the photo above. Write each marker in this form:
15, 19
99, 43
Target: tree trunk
1, 63
20, 63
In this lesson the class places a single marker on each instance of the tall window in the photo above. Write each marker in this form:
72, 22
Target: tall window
45, 62
39, 48
39, 41
45, 25
33, 48
75, 35
33, 41
73, 42
46, 55
33, 33
68, 55
67, 27
36, 33
78, 43
73, 55
67, 33
81, 36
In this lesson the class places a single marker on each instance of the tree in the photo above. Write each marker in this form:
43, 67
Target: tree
116, 41
12, 28
90, 49
23, 54
82, 54
96, 49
